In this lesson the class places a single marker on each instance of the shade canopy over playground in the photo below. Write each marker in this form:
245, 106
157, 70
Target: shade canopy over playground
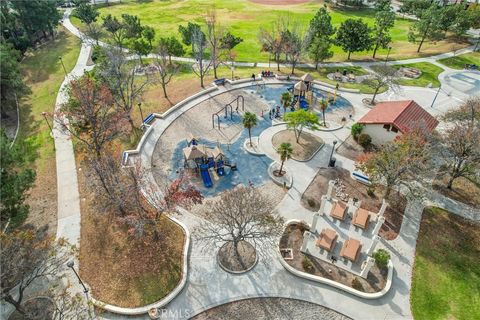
216, 152
307, 77
192, 153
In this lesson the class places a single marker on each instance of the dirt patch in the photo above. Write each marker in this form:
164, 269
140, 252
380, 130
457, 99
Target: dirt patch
393, 215
463, 190
121, 269
245, 259
279, 2
350, 149
293, 238
304, 149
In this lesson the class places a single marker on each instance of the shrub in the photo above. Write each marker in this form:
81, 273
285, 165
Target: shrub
307, 264
364, 140
381, 258
371, 191
311, 202
356, 130
356, 284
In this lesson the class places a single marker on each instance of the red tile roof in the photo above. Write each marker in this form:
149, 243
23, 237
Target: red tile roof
405, 115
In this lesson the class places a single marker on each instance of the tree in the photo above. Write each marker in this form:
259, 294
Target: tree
285, 151
286, 100
460, 152
458, 20
132, 26
15, 181
249, 121
115, 28
172, 47
301, 119
199, 47
28, 256
188, 33
384, 21
36, 18
321, 25
428, 26
144, 45
467, 112
95, 31
319, 50
384, 76
323, 107
227, 43
354, 35
400, 162
90, 115
87, 14
166, 70
126, 87
241, 214
214, 36
293, 45
272, 41
12, 85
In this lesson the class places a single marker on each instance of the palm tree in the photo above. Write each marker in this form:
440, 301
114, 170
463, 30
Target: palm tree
323, 107
286, 99
285, 151
249, 121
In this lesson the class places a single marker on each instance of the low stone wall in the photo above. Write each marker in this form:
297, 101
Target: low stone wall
332, 283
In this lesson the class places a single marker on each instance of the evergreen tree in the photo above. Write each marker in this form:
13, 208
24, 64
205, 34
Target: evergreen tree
429, 26
354, 35
384, 21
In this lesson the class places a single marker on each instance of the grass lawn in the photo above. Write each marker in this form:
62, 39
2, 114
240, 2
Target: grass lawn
460, 61
446, 276
43, 73
429, 75
244, 18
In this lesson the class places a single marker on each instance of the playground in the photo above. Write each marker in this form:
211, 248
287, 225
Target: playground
207, 141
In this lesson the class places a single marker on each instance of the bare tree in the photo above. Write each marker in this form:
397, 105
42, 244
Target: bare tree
214, 36
384, 76
202, 65
241, 214
294, 41
27, 257
90, 115
272, 42
467, 112
402, 162
460, 152
166, 70
127, 88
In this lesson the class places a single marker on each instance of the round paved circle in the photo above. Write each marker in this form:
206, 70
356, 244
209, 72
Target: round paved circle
465, 81
270, 308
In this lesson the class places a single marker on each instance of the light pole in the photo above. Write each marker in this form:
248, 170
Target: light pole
63, 66
388, 53
436, 95
70, 264
140, 108
44, 114
331, 154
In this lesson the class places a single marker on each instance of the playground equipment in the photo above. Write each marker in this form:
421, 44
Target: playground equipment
240, 101
203, 158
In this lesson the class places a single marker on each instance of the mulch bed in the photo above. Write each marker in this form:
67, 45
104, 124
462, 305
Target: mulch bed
304, 149
246, 259
293, 237
350, 149
393, 215
462, 190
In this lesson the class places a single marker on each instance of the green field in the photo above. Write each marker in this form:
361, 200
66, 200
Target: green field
429, 75
446, 276
244, 18
460, 61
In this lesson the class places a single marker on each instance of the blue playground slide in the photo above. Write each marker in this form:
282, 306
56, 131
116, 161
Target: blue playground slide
303, 104
220, 168
207, 181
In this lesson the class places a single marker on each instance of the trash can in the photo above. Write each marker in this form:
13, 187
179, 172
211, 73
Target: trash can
332, 162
